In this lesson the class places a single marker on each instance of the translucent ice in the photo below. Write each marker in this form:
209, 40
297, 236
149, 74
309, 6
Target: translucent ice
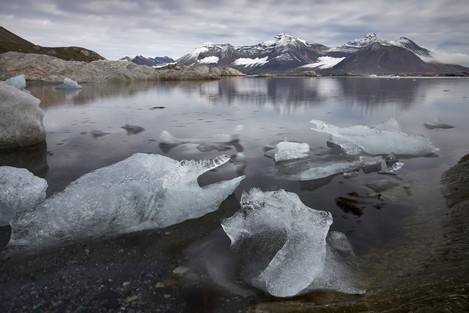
141, 192
18, 81
380, 139
20, 118
287, 150
436, 123
19, 190
69, 84
218, 142
286, 247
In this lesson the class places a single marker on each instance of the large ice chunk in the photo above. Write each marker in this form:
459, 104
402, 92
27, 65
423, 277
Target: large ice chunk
381, 139
288, 150
286, 247
19, 190
141, 192
20, 118
69, 84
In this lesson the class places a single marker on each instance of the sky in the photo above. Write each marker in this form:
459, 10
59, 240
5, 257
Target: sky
118, 28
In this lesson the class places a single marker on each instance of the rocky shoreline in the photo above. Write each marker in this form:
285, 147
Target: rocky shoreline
48, 69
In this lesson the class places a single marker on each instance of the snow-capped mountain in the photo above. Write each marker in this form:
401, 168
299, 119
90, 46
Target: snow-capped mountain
285, 54
156, 61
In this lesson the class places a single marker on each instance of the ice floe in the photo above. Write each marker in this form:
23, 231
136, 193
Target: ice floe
69, 84
286, 248
220, 142
288, 150
381, 139
141, 192
19, 190
436, 123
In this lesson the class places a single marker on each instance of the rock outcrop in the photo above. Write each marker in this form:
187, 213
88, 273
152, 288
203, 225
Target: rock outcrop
20, 118
43, 68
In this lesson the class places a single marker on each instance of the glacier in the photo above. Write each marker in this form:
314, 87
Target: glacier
380, 139
21, 119
144, 191
288, 150
285, 248
19, 190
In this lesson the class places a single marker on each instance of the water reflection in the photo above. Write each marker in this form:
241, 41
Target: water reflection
32, 158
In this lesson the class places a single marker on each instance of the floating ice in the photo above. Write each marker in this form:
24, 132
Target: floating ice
18, 81
381, 139
19, 190
437, 124
218, 142
20, 118
69, 84
287, 150
141, 192
286, 247
319, 170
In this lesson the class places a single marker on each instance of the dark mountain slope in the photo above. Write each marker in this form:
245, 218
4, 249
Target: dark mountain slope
11, 42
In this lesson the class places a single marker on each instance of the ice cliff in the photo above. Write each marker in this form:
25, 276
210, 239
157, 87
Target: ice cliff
20, 118
381, 139
141, 192
286, 248
19, 190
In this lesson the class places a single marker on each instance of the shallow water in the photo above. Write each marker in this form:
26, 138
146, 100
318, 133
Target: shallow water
390, 236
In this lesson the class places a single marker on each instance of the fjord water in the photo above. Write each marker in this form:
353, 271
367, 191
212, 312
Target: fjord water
392, 236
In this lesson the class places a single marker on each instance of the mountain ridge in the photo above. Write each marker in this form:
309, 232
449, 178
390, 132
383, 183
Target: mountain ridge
285, 54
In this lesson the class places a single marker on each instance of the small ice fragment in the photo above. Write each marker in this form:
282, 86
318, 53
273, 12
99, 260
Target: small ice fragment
287, 150
19, 190
286, 247
18, 81
69, 84
436, 123
380, 139
167, 138
141, 192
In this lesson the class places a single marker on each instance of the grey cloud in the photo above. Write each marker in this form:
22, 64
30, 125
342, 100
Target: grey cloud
116, 28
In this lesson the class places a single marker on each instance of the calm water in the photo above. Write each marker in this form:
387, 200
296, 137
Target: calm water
273, 110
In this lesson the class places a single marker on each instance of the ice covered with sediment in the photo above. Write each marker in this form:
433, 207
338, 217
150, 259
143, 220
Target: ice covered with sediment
288, 247
380, 139
19, 190
18, 81
141, 192
20, 118
69, 84
288, 150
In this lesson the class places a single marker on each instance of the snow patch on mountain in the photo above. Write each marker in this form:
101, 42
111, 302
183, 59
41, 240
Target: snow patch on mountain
209, 60
324, 62
251, 62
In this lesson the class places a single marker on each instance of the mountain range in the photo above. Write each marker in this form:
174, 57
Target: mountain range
286, 54
156, 61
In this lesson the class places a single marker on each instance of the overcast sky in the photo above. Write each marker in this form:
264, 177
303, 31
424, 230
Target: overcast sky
118, 28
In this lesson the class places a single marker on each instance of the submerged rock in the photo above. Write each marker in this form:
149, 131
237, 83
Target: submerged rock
144, 191
20, 118
285, 248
